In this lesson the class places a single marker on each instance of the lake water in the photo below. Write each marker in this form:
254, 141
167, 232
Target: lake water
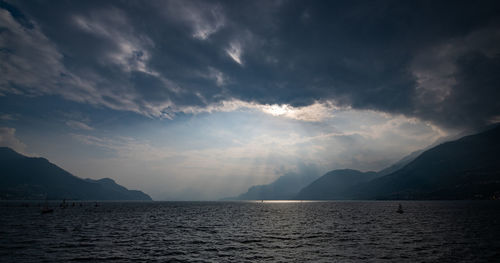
252, 232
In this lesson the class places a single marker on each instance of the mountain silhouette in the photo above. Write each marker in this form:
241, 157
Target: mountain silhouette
334, 185
285, 187
337, 184
23, 177
400, 164
467, 168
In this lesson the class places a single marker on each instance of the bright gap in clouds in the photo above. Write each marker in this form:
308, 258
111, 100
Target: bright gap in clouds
222, 153
278, 110
315, 112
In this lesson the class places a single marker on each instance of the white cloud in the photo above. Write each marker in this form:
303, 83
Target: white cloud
7, 117
31, 58
495, 119
131, 48
218, 76
33, 65
78, 125
316, 112
8, 139
235, 51
204, 18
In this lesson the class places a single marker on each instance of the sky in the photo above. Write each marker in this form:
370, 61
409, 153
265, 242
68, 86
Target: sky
199, 100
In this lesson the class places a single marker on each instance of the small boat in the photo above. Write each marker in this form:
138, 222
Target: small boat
63, 204
400, 209
46, 209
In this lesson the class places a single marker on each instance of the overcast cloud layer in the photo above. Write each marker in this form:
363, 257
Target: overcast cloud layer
438, 61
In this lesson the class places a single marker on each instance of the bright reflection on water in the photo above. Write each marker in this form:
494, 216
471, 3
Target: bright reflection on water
281, 201
252, 231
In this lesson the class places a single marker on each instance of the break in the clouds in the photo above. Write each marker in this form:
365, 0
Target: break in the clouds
352, 84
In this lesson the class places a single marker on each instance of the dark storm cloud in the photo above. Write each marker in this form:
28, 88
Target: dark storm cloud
16, 14
434, 60
474, 99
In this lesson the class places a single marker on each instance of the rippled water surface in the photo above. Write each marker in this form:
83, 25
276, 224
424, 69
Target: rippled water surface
252, 232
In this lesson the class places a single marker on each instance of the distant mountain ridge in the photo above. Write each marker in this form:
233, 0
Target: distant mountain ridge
297, 186
401, 163
334, 184
23, 177
467, 168
285, 187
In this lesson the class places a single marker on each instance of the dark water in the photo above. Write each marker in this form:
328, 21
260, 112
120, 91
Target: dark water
253, 232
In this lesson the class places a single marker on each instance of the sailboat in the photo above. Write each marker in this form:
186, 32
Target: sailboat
400, 209
46, 209
63, 204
